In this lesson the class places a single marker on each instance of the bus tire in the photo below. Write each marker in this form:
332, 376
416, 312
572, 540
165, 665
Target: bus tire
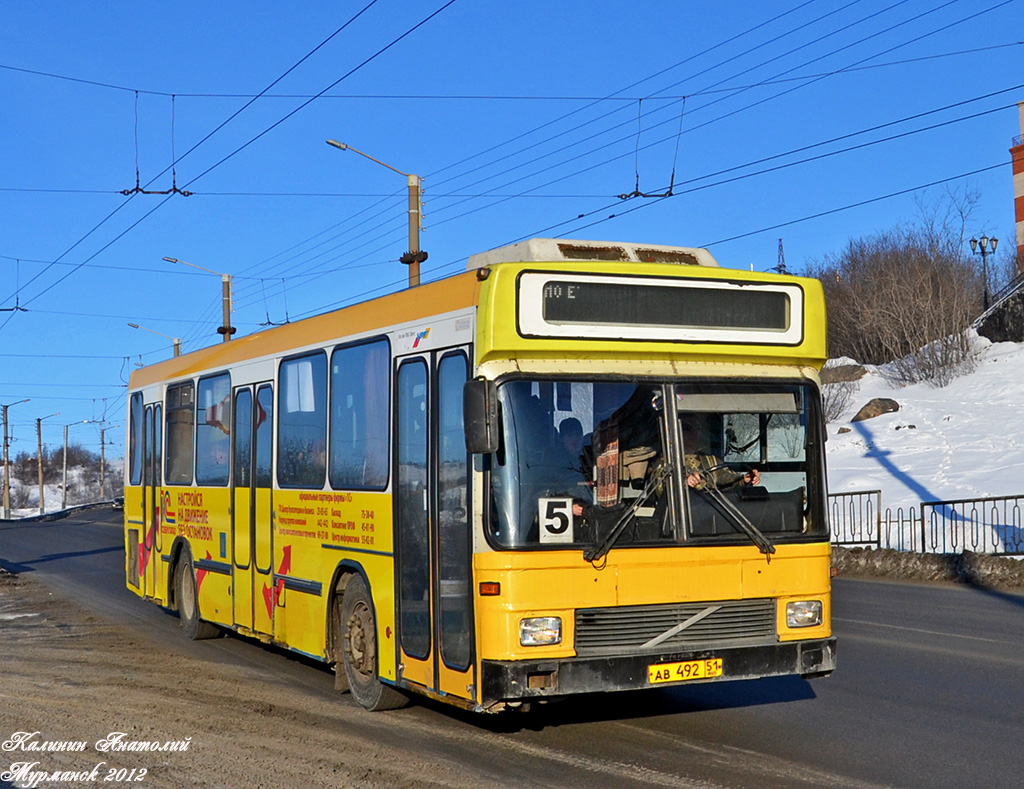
358, 630
187, 597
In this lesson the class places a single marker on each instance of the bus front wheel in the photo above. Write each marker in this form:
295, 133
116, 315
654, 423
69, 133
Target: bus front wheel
187, 598
359, 650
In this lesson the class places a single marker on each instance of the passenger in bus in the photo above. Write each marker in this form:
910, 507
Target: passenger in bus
570, 438
701, 464
566, 461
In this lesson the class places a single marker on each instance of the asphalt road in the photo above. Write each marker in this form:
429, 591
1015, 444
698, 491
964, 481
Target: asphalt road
929, 691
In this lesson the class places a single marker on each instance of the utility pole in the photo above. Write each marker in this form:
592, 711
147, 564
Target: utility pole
7, 467
103, 458
64, 483
39, 459
64, 487
39, 464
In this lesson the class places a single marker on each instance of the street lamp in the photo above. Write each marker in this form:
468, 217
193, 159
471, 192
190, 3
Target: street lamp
39, 459
227, 330
980, 247
7, 468
415, 255
64, 487
175, 340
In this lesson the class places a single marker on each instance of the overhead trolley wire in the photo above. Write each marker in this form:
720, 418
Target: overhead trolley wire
623, 139
699, 91
345, 76
646, 79
193, 148
689, 129
480, 96
788, 71
288, 115
455, 96
706, 70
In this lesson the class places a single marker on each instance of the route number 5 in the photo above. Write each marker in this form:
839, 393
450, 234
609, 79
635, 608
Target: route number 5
555, 516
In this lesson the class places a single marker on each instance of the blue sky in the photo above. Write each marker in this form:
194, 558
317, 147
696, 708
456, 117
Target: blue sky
524, 119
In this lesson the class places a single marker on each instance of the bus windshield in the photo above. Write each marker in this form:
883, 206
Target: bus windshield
626, 463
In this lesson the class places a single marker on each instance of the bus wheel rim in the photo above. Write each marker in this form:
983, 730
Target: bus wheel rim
360, 640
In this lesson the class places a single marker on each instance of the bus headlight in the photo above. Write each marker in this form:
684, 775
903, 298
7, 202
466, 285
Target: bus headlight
540, 631
803, 613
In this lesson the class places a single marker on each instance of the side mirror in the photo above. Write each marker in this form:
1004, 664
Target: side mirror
480, 414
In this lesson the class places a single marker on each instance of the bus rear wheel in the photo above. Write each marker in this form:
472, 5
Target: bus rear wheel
359, 651
187, 598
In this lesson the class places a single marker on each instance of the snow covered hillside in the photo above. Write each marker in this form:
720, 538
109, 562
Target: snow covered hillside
965, 440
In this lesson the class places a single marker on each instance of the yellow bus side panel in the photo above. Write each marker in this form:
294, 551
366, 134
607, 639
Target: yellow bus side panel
201, 516
314, 532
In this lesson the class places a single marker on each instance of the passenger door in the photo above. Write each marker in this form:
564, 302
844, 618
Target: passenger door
151, 474
433, 543
242, 510
252, 494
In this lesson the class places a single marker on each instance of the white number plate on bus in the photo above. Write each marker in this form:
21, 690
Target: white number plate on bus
680, 672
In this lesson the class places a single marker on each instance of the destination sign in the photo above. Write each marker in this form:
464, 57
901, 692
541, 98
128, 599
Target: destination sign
657, 305
593, 306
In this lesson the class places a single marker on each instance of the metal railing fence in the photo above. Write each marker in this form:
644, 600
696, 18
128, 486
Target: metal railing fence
993, 525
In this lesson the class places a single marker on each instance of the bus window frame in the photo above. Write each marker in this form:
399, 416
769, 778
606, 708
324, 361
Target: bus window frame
280, 395
168, 480
387, 381
195, 430
135, 439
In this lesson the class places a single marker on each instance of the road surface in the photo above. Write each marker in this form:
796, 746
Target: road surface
929, 693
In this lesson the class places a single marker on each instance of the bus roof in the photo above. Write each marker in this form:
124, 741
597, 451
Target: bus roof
553, 250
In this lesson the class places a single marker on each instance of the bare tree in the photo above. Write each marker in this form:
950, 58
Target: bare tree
836, 398
906, 297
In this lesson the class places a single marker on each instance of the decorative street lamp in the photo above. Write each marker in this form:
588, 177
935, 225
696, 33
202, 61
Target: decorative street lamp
980, 247
415, 255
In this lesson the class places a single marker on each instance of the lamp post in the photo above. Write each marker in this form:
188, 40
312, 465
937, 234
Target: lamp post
980, 247
415, 255
64, 487
39, 459
226, 330
7, 468
175, 340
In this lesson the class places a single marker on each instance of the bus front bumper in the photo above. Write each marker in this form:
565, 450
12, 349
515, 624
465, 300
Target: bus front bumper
519, 680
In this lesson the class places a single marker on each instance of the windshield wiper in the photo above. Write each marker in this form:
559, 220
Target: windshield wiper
732, 512
595, 552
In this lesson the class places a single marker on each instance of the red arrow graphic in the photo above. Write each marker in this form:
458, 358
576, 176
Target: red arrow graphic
272, 594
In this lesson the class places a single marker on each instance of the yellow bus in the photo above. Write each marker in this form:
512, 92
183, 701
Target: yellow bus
576, 467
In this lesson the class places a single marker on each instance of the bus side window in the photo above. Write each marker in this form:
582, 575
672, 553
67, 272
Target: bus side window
302, 422
135, 437
179, 434
359, 415
213, 430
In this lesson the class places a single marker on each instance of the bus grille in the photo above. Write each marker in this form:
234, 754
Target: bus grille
610, 631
